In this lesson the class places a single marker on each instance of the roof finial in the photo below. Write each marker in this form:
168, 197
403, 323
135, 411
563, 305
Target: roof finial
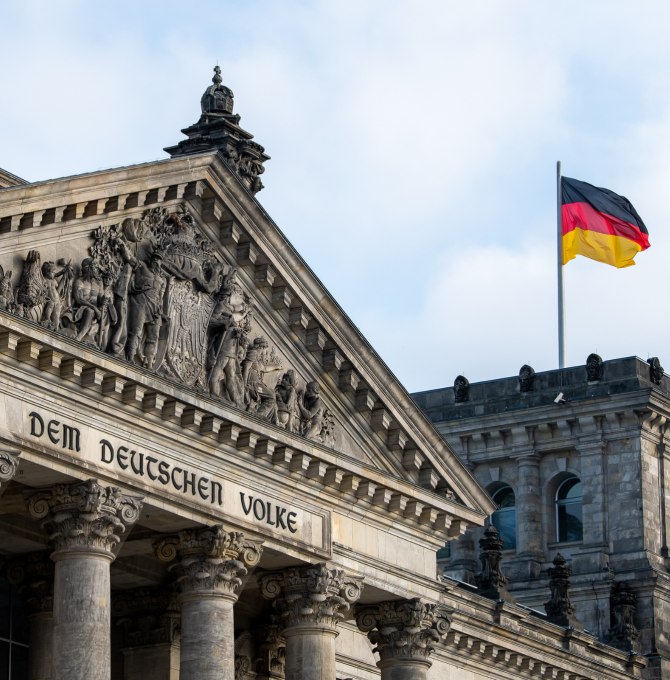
217, 79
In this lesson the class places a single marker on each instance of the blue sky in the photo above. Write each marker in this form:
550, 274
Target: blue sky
413, 150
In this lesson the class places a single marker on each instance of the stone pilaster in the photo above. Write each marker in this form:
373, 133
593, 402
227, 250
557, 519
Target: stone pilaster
82, 520
151, 622
491, 582
529, 508
310, 602
271, 650
405, 633
210, 564
9, 463
560, 609
34, 574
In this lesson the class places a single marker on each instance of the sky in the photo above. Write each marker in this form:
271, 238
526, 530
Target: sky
413, 144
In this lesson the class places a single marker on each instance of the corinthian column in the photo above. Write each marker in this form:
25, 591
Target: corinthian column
404, 633
34, 574
82, 520
310, 601
210, 563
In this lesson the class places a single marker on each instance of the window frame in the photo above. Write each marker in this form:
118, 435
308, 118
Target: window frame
511, 509
566, 502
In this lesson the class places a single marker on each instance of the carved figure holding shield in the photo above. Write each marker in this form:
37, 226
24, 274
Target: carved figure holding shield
86, 292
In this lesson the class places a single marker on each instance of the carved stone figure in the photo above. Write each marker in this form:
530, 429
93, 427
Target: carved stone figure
491, 582
145, 311
55, 302
271, 649
461, 389
86, 293
526, 378
31, 294
122, 284
594, 368
623, 633
287, 403
6, 291
311, 411
560, 609
257, 362
656, 372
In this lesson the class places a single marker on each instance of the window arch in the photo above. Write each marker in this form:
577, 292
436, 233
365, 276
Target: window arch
569, 510
504, 519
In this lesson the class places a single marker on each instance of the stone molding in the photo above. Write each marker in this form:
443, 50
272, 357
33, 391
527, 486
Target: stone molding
148, 616
34, 574
84, 516
211, 560
404, 630
310, 597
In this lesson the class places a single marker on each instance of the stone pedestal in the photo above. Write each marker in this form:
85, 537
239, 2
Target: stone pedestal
310, 601
210, 563
34, 574
529, 509
404, 633
82, 520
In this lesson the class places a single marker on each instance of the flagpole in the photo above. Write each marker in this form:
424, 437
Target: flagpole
559, 257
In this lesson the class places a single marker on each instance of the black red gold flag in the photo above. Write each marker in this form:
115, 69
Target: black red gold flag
599, 224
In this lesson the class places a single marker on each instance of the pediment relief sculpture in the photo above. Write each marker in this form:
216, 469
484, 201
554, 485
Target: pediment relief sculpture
152, 291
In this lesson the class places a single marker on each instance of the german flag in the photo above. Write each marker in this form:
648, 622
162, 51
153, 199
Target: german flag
599, 224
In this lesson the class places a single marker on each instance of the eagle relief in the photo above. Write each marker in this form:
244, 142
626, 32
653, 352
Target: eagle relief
152, 292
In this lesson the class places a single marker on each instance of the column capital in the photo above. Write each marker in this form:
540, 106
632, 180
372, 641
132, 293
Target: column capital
148, 616
311, 597
83, 517
404, 630
211, 560
527, 458
9, 462
34, 574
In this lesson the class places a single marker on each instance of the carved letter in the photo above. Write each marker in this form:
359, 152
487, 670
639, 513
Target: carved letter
256, 514
191, 482
35, 418
51, 431
163, 476
291, 522
246, 510
121, 457
174, 482
69, 437
269, 514
151, 459
280, 514
140, 470
214, 488
106, 445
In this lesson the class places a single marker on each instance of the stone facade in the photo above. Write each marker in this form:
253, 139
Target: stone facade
226, 479
604, 424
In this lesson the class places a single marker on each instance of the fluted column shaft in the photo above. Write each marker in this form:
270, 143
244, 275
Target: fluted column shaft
309, 601
210, 563
82, 521
404, 632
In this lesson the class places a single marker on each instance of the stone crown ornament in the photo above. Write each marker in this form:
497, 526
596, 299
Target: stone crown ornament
210, 559
84, 516
405, 629
311, 596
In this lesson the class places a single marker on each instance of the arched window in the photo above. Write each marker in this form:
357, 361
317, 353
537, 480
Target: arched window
504, 520
569, 510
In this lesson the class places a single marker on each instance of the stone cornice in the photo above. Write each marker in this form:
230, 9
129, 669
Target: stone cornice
31, 347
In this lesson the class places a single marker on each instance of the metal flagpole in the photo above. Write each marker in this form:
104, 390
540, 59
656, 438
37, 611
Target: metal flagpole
559, 255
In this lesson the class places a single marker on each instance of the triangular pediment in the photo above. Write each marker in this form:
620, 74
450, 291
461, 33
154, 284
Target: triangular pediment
216, 299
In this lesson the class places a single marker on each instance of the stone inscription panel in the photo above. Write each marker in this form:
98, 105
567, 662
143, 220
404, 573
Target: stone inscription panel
164, 471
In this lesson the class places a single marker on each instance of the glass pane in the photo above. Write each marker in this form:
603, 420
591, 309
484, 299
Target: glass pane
4, 660
504, 497
4, 609
20, 626
444, 553
505, 522
19, 663
571, 488
570, 522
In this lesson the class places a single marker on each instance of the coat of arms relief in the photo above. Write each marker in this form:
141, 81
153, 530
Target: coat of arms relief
153, 293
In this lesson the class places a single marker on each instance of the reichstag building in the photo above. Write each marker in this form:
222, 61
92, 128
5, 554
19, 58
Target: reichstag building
207, 473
